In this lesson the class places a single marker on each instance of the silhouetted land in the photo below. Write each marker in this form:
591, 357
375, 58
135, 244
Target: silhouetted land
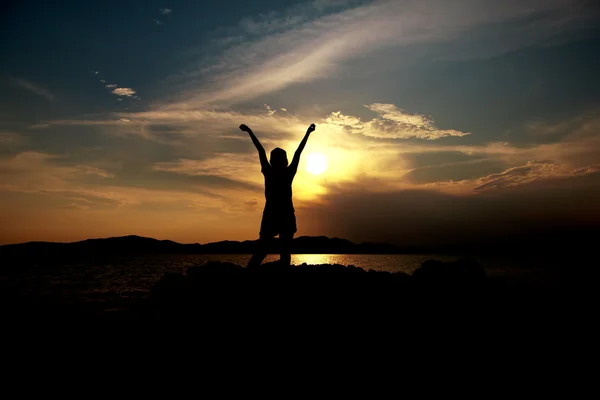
568, 244
223, 293
129, 245
346, 294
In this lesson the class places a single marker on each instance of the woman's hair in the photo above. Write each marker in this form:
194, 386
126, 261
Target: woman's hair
279, 158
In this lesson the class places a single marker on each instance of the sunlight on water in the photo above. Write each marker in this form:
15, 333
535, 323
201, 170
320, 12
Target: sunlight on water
380, 262
314, 259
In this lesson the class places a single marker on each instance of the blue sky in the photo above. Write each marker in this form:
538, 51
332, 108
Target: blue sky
122, 117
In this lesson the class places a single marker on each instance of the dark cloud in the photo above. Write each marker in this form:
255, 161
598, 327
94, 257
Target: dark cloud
530, 211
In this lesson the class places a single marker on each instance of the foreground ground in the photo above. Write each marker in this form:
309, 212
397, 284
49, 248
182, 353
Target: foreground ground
224, 294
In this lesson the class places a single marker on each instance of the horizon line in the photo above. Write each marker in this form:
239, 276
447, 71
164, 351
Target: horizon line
169, 240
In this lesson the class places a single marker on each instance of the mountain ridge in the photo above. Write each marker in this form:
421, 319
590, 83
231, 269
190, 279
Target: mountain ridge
567, 243
134, 244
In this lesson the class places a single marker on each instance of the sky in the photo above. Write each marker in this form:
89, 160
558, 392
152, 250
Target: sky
440, 121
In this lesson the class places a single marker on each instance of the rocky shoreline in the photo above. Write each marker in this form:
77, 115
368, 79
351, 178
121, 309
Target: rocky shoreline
229, 294
330, 294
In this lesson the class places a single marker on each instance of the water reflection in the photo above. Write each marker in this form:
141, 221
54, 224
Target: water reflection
379, 262
315, 259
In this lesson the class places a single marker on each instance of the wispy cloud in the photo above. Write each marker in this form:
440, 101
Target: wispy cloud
166, 11
11, 139
36, 172
270, 111
354, 151
275, 21
39, 126
119, 91
532, 171
88, 170
124, 92
225, 164
307, 50
44, 174
393, 124
34, 88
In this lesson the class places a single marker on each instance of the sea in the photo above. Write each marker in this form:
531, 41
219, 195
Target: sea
114, 282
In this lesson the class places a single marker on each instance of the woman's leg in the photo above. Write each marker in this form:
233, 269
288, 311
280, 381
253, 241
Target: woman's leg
261, 250
285, 255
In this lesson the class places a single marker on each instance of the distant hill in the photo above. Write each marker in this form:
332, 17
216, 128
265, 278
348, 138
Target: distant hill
130, 245
566, 243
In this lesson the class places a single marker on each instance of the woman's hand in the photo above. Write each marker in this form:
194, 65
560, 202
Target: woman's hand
311, 128
245, 128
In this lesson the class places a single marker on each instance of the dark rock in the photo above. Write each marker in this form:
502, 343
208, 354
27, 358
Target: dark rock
461, 272
213, 267
269, 294
170, 289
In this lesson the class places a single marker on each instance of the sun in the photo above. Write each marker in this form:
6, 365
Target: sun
316, 163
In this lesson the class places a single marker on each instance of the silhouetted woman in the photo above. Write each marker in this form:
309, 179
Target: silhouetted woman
278, 215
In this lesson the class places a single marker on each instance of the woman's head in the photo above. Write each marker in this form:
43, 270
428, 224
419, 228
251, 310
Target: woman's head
279, 158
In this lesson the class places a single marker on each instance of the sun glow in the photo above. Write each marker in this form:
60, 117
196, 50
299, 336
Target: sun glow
316, 163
